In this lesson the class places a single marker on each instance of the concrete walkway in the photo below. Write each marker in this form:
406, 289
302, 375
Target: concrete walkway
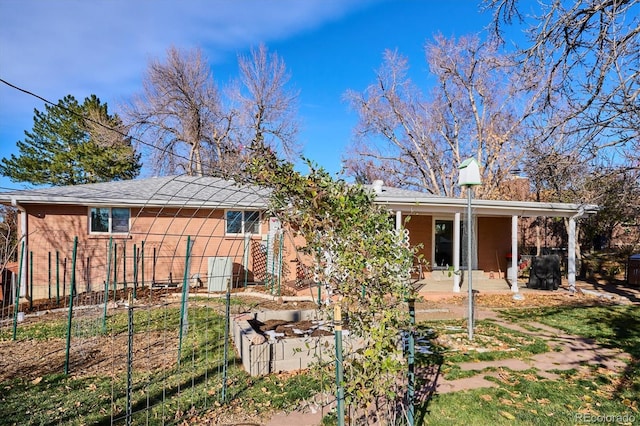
565, 352
437, 288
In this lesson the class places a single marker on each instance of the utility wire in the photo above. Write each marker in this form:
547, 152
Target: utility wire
124, 135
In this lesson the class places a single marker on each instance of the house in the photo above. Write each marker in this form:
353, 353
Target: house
213, 232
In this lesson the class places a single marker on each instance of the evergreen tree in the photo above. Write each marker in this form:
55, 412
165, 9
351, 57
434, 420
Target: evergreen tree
72, 144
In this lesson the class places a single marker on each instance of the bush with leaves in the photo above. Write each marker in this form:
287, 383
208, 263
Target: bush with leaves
363, 261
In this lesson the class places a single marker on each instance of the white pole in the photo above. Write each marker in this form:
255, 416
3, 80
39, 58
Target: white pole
514, 254
469, 271
571, 252
456, 253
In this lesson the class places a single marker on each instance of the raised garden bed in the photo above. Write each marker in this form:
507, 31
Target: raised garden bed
278, 341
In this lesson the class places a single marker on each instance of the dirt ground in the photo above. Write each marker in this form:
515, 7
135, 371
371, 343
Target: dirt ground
33, 358
30, 359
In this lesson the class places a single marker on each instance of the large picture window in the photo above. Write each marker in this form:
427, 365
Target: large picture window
243, 222
103, 220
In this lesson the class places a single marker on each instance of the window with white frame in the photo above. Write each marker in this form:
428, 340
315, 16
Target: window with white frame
108, 220
242, 222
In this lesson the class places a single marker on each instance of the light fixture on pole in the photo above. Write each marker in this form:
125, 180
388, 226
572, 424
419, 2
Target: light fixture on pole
469, 177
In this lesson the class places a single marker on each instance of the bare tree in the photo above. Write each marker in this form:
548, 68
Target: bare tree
190, 126
588, 51
180, 114
479, 108
266, 108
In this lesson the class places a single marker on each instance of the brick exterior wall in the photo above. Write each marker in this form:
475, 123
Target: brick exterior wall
164, 232
494, 242
421, 232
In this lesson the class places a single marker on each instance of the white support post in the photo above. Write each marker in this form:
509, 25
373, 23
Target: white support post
398, 220
456, 253
571, 251
514, 254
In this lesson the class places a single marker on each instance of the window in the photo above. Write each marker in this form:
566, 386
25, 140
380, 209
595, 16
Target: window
243, 221
108, 220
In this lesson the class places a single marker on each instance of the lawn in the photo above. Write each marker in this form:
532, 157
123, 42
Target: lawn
578, 396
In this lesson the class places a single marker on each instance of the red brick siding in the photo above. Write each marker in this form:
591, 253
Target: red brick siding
494, 242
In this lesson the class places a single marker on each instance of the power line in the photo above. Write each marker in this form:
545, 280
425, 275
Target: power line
124, 135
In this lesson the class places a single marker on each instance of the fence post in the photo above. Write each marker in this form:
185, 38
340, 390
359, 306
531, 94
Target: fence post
153, 268
115, 271
71, 291
124, 266
337, 320
245, 257
225, 356
411, 363
31, 280
49, 273
135, 270
87, 275
142, 261
64, 277
185, 295
106, 287
57, 278
280, 264
17, 295
129, 359
270, 250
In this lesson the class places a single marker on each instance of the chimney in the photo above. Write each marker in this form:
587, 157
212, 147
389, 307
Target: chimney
377, 186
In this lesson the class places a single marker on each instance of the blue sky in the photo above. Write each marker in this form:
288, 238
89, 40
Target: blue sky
102, 47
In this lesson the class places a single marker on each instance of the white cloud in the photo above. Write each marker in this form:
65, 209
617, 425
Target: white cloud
45, 44
55, 48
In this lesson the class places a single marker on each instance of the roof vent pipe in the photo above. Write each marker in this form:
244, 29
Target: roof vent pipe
377, 186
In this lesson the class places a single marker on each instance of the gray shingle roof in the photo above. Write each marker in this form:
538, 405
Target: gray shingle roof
193, 191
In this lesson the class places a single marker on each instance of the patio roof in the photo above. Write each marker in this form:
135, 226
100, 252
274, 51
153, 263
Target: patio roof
417, 202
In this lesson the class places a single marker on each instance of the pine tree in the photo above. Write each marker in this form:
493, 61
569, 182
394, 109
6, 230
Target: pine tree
72, 144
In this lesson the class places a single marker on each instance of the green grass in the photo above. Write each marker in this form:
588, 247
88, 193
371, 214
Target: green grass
60, 399
610, 326
497, 342
527, 402
116, 323
233, 301
525, 398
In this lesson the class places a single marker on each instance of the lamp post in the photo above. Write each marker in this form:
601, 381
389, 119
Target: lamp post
469, 177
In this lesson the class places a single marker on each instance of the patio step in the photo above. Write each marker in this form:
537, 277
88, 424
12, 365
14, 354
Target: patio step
444, 275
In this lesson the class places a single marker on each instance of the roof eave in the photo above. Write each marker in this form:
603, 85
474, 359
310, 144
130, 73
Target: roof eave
487, 207
129, 203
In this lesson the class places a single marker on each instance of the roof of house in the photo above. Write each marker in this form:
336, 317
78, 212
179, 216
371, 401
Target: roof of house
213, 192
183, 191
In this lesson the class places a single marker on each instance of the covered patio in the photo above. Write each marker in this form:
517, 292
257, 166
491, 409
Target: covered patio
437, 225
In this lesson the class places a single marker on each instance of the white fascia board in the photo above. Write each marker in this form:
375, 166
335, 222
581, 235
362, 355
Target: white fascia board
485, 207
